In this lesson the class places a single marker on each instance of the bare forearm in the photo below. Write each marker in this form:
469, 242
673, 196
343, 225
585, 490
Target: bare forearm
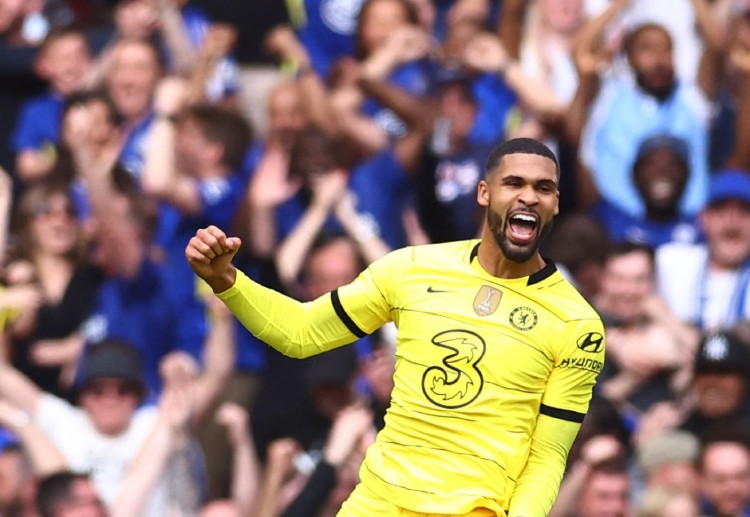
578, 111
245, 477
143, 473
510, 30
296, 246
570, 491
219, 359
159, 172
262, 231
177, 40
45, 458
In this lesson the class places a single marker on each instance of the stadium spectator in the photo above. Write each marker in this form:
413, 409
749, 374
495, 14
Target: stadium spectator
649, 348
668, 459
627, 110
724, 466
50, 258
133, 72
720, 383
111, 427
17, 483
64, 494
707, 284
660, 173
598, 484
63, 61
667, 502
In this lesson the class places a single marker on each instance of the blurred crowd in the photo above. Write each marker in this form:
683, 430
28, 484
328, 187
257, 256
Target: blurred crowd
325, 133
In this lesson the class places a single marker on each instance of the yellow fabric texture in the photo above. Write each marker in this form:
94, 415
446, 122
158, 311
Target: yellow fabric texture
492, 375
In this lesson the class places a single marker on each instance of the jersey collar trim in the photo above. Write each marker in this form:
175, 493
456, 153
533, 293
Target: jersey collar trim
547, 271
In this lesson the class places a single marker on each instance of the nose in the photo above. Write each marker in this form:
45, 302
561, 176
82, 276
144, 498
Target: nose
528, 196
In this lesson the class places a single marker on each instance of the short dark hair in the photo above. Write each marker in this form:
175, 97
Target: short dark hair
83, 97
519, 146
627, 247
224, 126
55, 489
632, 36
58, 33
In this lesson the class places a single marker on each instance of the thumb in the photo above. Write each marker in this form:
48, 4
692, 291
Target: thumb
232, 243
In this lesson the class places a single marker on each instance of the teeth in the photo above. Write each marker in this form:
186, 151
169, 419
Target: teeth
525, 217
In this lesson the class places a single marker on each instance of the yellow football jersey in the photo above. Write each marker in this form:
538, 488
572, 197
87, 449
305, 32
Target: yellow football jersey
477, 359
480, 361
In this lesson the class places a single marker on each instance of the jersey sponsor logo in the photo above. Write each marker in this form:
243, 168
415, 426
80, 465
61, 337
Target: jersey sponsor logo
523, 318
487, 300
582, 363
457, 382
592, 342
433, 290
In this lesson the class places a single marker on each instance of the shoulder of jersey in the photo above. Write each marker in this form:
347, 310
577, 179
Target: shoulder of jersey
444, 252
565, 301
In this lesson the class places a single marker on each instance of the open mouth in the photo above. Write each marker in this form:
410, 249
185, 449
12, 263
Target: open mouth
522, 227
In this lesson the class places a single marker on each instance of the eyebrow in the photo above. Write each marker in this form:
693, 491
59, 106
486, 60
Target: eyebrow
541, 182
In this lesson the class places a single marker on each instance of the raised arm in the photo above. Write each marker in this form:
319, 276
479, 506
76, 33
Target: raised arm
18, 389
293, 328
161, 178
176, 38
512, 23
485, 52
45, 458
218, 361
740, 157
114, 236
284, 43
167, 436
6, 198
714, 34
245, 464
327, 190
270, 186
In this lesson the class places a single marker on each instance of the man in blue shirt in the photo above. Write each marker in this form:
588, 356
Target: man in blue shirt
63, 61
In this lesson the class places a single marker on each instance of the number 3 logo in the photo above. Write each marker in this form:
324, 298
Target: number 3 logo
458, 381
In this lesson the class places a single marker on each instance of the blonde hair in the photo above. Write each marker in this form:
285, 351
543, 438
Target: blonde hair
656, 499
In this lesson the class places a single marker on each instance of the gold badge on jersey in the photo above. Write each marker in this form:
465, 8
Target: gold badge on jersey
487, 300
523, 318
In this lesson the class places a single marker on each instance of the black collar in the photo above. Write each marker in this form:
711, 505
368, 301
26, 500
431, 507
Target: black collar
547, 271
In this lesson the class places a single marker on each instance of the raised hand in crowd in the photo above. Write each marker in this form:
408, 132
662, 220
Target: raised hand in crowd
597, 451
327, 189
279, 471
245, 465
44, 457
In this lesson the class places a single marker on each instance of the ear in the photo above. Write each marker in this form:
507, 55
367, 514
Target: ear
483, 193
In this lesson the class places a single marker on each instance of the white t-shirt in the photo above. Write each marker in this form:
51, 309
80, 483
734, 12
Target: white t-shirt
105, 458
697, 294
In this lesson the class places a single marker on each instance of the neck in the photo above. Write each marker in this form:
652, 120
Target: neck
661, 214
494, 262
722, 266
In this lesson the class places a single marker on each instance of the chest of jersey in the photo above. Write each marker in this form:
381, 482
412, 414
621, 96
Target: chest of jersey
466, 341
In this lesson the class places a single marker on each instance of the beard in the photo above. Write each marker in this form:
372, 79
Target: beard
513, 252
661, 93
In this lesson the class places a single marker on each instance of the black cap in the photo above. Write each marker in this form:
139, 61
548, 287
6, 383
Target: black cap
678, 146
722, 352
113, 359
